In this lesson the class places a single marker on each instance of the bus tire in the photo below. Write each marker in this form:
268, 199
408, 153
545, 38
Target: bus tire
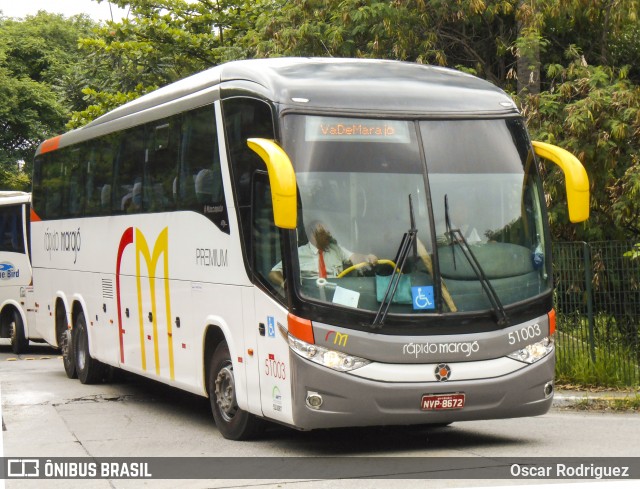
233, 422
89, 370
19, 342
68, 353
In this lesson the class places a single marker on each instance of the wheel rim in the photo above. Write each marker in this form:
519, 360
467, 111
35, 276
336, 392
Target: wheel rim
226, 393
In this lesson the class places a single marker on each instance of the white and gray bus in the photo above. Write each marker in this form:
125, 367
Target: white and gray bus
15, 270
176, 237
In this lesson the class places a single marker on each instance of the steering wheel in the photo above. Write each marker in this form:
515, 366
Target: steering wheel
357, 266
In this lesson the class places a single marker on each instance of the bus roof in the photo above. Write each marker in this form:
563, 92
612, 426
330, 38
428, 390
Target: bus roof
8, 197
381, 88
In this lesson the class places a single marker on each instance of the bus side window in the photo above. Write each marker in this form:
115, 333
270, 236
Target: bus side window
99, 170
11, 238
92, 194
37, 186
160, 165
184, 184
246, 118
266, 237
199, 182
128, 167
53, 186
61, 183
74, 192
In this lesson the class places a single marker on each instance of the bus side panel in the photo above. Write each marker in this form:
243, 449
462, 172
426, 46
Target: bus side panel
150, 339
161, 278
185, 337
154, 306
15, 276
30, 312
132, 341
44, 297
273, 359
101, 309
249, 397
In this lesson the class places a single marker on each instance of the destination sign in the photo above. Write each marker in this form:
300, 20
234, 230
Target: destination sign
343, 129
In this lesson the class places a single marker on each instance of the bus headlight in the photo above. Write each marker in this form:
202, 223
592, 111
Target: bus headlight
533, 353
328, 358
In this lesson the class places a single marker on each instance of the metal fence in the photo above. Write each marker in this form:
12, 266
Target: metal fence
597, 301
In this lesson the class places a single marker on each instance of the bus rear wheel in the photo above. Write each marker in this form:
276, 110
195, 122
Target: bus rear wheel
89, 370
19, 342
233, 422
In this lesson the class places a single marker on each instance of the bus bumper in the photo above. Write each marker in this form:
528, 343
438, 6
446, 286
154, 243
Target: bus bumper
347, 400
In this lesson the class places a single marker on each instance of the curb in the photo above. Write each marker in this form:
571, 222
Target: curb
570, 399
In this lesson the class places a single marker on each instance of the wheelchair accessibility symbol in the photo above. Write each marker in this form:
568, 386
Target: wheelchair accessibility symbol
423, 297
271, 327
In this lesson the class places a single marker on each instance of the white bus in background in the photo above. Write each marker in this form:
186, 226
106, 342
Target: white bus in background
15, 270
157, 227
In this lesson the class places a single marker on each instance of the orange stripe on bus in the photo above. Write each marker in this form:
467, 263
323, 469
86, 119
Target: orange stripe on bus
35, 217
50, 145
552, 321
300, 328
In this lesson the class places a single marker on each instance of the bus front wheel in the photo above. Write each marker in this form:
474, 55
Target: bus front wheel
233, 422
19, 342
89, 370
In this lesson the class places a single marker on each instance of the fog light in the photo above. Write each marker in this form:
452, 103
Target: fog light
548, 389
314, 400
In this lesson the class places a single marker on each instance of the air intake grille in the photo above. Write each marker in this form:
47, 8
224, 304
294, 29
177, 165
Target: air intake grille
107, 288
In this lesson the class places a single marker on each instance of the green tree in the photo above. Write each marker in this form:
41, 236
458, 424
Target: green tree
470, 34
573, 65
160, 42
594, 112
573, 95
37, 76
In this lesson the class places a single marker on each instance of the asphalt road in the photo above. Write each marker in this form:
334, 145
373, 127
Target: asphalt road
47, 415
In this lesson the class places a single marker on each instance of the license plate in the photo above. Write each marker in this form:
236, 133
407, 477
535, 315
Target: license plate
438, 402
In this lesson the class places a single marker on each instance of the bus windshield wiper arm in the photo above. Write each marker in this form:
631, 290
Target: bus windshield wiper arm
407, 244
458, 238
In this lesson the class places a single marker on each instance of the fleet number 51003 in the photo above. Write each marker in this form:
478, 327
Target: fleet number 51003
524, 334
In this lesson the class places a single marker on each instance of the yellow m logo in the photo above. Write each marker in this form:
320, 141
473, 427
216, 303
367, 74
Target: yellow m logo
340, 339
161, 247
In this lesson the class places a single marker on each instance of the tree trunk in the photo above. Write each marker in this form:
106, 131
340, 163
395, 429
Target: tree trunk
528, 54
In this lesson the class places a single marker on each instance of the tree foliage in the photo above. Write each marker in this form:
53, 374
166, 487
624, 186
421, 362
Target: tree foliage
594, 112
160, 42
571, 65
470, 34
38, 85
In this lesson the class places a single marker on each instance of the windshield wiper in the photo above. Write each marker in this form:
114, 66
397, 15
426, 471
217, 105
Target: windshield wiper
447, 222
407, 244
456, 237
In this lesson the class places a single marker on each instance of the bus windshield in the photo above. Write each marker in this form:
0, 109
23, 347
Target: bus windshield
467, 190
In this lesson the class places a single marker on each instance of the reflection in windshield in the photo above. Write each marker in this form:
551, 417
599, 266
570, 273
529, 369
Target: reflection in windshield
480, 170
354, 177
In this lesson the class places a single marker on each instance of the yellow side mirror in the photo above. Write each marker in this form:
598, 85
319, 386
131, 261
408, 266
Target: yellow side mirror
577, 181
282, 179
